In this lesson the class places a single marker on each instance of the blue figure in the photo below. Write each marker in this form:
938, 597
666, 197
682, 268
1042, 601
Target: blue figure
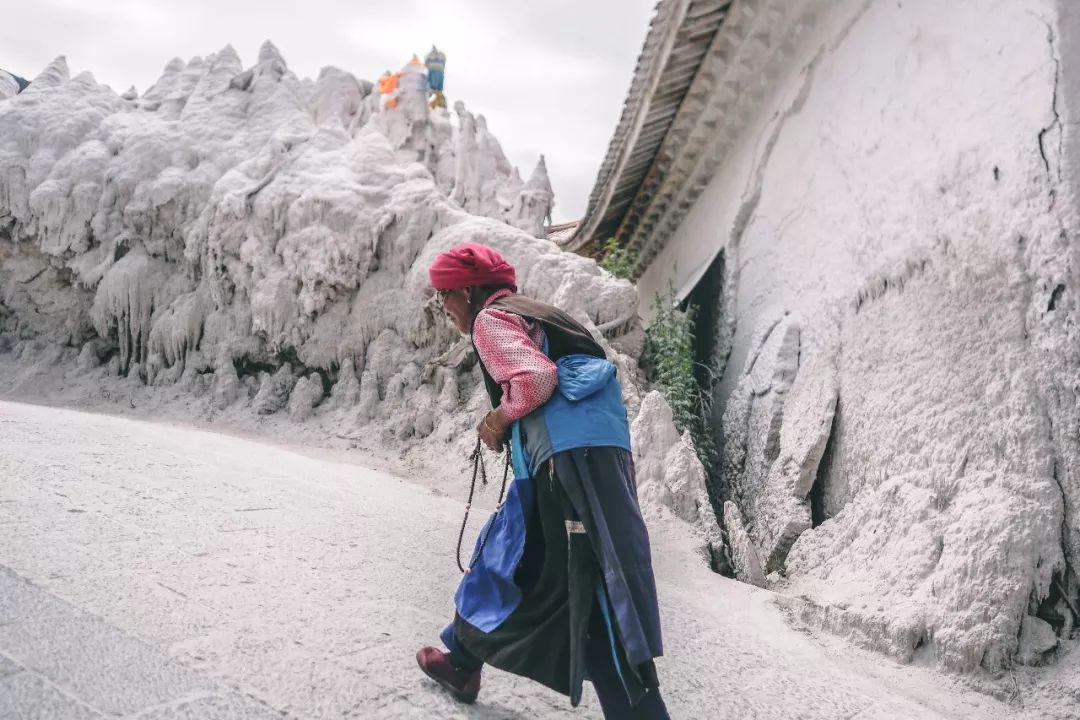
436, 69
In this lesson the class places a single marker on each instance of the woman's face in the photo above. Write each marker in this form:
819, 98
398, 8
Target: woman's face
456, 306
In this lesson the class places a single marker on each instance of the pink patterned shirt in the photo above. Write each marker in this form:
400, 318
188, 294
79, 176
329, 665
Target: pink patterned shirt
511, 349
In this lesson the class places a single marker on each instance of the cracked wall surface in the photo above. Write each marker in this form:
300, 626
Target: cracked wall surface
903, 210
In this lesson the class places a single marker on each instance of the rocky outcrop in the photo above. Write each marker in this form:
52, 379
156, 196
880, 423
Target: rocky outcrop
669, 473
245, 243
746, 564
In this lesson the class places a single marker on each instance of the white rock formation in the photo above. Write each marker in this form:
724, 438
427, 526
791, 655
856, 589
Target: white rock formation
753, 419
222, 204
1037, 639
9, 86
668, 471
274, 390
305, 396
746, 564
532, 211
238, 236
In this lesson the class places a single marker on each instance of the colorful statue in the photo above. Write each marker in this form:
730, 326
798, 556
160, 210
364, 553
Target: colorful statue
436, 69
388, 88
416, 76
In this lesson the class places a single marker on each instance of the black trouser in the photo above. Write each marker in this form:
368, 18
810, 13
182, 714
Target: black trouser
602, 672
600, 665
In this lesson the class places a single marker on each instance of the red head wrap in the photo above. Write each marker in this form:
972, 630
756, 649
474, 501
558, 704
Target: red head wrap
470, 264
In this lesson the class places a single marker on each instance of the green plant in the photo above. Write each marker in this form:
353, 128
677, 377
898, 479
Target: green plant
669, 361
619, 261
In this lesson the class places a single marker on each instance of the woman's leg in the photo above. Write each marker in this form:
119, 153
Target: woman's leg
458, 671
533, 641
609, 686
461, 658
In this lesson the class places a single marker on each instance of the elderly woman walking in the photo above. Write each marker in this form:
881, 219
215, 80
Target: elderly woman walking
560, 587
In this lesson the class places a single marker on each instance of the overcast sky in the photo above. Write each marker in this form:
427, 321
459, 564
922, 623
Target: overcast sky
549, 76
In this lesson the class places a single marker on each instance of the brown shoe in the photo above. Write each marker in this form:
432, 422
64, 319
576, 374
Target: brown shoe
435, 663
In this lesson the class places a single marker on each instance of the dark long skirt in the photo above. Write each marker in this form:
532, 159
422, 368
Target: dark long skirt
551, 636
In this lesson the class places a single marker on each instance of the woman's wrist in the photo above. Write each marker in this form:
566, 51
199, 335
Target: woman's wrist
496, 421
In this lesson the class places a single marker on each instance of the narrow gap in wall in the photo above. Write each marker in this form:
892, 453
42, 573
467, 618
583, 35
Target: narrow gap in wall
8, 324
1059, 608
710, 354
246, 366
327, 379
289, 355
818, 513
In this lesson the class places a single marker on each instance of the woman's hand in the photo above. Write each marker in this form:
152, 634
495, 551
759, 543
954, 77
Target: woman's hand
492, 430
